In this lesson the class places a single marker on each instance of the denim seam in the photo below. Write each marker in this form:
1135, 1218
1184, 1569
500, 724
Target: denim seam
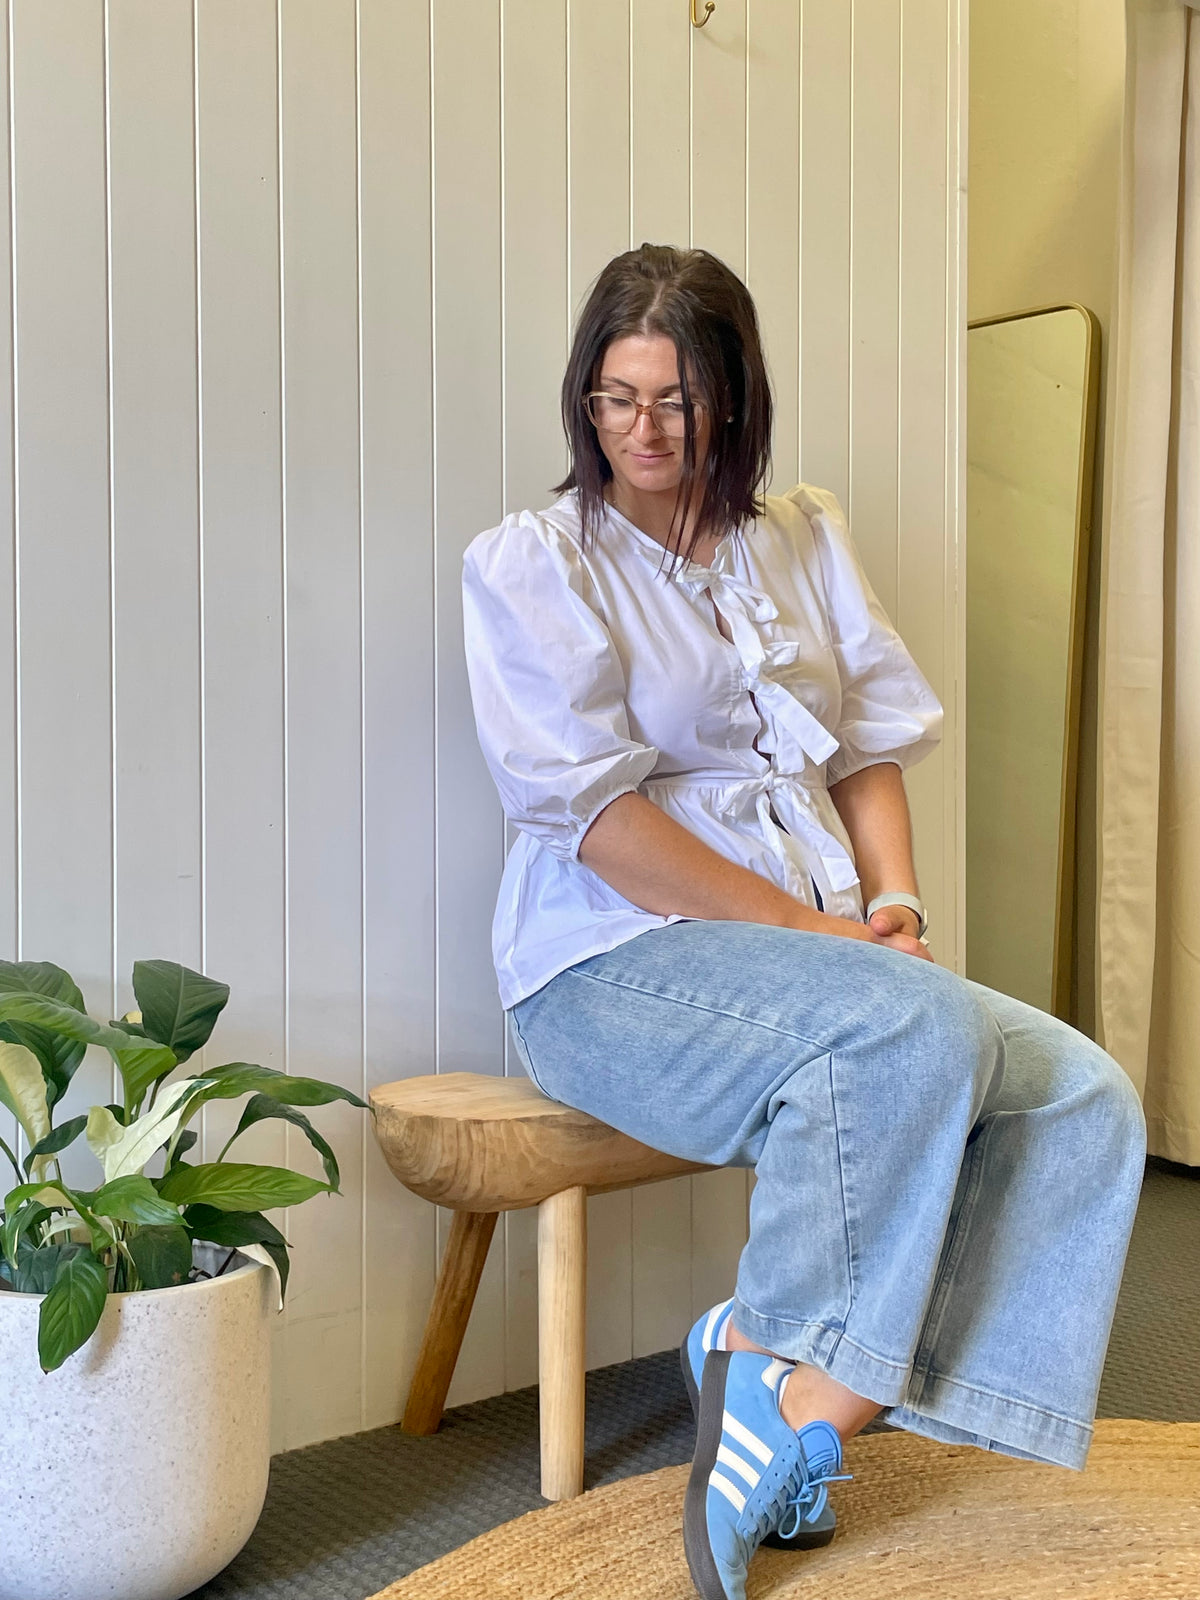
837, 1135
954, 1247
1010, 1400
695, 1005
528, 1062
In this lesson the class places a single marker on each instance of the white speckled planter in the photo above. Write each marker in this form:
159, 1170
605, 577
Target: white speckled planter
138, 1469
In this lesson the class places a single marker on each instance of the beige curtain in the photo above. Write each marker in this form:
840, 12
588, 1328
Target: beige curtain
1148, 938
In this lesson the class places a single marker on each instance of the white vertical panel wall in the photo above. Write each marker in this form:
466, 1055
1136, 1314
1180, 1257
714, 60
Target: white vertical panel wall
290, 288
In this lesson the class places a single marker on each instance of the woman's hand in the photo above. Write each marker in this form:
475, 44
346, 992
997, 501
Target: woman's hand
899, 926
895, 926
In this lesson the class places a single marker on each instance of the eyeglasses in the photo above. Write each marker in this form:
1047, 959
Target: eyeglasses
618, 413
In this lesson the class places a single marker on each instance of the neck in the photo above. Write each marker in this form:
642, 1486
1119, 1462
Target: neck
654, 513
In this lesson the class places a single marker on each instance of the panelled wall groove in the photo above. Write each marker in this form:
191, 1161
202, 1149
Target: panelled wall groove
10, 588
291, 286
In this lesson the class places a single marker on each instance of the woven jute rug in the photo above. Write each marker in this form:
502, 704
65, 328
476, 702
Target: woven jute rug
921, 1521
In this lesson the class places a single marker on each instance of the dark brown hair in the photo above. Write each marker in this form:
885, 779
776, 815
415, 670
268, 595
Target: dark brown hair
706, 311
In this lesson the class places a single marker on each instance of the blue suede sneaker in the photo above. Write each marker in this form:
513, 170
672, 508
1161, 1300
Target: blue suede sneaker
751, 1475
705, 1336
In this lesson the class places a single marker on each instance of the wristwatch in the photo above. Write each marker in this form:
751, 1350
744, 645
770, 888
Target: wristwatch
896, 898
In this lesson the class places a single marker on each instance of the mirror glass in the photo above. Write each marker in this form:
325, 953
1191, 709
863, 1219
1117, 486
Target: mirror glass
1030, 424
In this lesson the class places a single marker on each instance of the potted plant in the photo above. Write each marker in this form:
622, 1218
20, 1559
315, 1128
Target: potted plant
134, 1331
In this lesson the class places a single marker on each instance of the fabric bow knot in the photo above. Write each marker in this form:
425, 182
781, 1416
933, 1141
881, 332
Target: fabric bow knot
742, 608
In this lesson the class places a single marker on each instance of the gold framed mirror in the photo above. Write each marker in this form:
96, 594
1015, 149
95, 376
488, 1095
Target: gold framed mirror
1032, 388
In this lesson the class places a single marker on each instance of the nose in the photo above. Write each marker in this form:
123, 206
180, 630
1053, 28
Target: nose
644, 428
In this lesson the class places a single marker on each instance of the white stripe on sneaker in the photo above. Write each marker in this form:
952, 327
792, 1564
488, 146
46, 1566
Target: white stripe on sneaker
714, 1316
723, 1486
742, 1468
747, 1439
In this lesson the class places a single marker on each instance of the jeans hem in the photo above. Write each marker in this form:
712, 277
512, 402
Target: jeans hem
955, 1413
819, 1345
937, 1407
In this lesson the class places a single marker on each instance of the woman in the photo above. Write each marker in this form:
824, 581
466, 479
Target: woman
709, 935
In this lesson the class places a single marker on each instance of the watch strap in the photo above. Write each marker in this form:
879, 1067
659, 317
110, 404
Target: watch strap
897, 898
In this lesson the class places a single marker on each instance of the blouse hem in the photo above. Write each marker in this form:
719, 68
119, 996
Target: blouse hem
509, 999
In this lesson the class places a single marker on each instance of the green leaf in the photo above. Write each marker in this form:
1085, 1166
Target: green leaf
230, 1227
37, 1269
57, 1139
140, 1063
179, 1007
184, 1140
71, 1309
23, 1090
135, 1199
58, 1056
17, 1222
133, 1029
40, 977
242, 1077
262, 1106
239, 1228
163, 1255
47, 1193
232, 1186
141, 1067
58, 1197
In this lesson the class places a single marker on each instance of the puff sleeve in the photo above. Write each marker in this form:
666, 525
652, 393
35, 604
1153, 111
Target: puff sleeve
889, 712
547, 684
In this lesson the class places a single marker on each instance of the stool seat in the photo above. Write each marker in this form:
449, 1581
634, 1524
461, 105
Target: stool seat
481, 1145
475, 1143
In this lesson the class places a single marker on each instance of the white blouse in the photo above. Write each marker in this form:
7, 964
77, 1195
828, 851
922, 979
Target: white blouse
598, 671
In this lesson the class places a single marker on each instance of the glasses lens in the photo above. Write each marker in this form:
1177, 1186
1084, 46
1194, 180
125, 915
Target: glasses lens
612, 412
669, 417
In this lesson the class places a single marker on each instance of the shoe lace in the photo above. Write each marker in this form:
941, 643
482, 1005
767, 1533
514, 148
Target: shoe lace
809, 1500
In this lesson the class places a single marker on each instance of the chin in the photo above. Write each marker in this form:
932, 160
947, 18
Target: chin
651, 476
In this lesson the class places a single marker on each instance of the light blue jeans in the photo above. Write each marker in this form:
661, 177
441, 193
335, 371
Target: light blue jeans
946, 1178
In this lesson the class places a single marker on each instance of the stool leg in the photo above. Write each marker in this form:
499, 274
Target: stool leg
562, 1271
462, 1264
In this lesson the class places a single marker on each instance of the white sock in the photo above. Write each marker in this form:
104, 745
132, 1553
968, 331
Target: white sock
722, 1343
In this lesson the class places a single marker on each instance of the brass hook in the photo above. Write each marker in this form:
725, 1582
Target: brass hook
709, 8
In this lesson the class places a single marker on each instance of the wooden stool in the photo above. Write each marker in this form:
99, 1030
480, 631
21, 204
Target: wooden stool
483, 1145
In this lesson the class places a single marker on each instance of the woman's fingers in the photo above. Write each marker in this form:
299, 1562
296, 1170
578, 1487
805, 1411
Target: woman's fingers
906, 943
895, 919
897, 926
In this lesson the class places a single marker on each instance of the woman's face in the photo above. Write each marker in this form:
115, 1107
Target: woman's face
643, 366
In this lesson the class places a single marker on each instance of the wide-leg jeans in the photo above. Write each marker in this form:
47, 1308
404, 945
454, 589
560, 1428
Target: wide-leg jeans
946, 1178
